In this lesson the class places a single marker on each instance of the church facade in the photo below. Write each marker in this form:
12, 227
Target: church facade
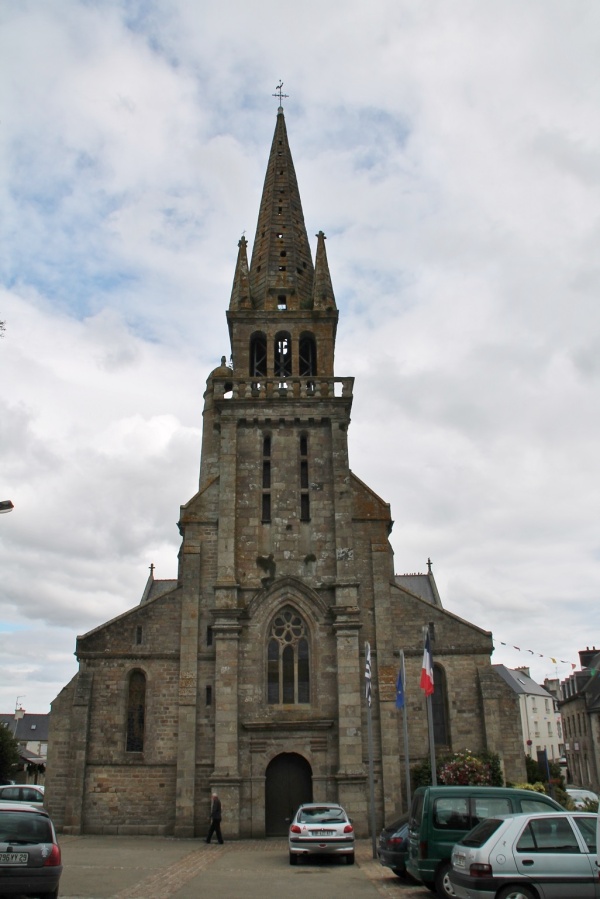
245, 675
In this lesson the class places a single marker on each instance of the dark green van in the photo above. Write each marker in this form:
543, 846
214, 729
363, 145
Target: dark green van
440, 816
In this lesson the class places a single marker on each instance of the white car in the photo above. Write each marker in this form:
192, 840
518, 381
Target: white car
579, 797
321, 828
524, 856
32, 794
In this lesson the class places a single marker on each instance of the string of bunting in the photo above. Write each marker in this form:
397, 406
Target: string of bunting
543, 656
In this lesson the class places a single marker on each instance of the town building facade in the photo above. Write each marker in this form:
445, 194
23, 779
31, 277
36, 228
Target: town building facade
245, 675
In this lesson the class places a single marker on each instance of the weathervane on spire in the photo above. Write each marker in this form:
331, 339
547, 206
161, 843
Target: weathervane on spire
279, 93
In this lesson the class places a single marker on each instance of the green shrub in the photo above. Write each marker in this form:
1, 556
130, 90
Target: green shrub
463, 768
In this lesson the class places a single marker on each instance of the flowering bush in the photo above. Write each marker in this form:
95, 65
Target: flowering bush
464, 769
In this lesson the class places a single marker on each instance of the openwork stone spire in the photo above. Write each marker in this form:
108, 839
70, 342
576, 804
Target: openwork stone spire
281, 270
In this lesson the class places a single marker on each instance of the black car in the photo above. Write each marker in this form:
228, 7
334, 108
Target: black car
393, 846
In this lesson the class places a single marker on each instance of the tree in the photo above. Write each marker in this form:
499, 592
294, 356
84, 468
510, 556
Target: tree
9, 754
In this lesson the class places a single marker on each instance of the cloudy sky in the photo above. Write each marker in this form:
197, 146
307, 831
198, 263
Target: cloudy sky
449, 149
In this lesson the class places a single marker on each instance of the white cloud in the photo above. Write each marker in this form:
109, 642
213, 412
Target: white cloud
449, 152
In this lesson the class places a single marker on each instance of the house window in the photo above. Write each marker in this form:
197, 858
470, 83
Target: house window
138, 635
288, 668
136, 712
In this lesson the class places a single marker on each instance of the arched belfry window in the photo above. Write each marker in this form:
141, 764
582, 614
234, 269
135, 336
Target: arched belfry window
288, 669
283, 355
307, 355
439, 707
258, 355
136, 712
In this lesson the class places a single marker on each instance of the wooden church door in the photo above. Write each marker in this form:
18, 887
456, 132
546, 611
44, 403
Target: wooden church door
288, 784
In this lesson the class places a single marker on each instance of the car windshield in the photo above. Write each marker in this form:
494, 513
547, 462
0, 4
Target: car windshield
322, 815
481, 834
19, 827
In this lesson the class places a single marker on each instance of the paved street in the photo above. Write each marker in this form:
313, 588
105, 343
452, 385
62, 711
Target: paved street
109, 867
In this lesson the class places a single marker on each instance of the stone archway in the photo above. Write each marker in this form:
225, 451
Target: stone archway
288, 783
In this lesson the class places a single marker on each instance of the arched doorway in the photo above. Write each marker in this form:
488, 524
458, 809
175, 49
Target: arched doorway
288, 784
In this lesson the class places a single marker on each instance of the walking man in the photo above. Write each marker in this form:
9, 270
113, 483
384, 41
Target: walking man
215, 819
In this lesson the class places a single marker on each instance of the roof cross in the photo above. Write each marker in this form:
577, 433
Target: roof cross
279, 93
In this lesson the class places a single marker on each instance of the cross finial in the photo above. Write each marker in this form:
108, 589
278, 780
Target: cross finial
279, 93
152, 569
429, 565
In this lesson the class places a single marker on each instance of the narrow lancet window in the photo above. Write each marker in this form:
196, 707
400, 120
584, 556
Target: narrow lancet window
304, 482
136, 712
283, 355
307, 352
258, 355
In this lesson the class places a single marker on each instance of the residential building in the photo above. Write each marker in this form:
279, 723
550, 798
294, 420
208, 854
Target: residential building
580, 710
540, 718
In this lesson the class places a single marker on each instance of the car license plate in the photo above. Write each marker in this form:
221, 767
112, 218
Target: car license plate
458, 861
323, 833
14, 858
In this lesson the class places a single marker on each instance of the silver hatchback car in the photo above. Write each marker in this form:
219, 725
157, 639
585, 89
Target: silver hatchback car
321, 828
549, 856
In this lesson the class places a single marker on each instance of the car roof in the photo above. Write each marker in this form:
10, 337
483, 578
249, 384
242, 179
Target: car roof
7, 806
33, 786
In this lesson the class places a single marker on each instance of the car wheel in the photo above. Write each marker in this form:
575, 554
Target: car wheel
443, 887
400, 872
350, 858
516, 892
52, 895
293, 859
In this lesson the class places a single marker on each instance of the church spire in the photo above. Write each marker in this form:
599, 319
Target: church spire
323, 297
240, 292
281, 270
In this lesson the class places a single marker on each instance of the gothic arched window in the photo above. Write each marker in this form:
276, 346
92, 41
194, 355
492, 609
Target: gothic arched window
283, 355
439, 707
258, 355
307, 355
288, 663
136, 712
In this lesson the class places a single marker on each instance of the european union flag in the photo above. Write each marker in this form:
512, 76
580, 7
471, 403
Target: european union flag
399, 692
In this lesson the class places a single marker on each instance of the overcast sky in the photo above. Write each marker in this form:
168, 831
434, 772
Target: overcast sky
450, 151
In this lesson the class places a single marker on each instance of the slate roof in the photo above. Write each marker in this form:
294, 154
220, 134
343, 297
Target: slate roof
422, 585
29, 727
520, 682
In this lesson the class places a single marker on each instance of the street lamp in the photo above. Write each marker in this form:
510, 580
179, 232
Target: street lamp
6, 505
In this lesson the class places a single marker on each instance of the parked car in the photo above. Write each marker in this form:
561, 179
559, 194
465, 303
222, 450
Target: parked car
321, 828
30, 859
579, 797
393, 846
32, 794
440, 816
528, 856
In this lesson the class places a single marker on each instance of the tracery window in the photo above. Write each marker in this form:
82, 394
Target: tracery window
136, 712
288, 668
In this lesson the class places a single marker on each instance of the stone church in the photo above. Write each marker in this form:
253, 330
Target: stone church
246, 674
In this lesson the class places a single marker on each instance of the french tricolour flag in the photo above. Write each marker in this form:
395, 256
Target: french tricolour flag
427, 669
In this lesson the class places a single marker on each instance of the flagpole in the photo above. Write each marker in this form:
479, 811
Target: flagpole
370, 743
428, 668
405, 731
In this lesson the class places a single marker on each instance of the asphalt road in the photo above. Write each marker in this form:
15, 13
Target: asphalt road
115, 867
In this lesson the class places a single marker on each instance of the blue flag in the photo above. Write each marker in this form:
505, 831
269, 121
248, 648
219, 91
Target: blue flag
399, 692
